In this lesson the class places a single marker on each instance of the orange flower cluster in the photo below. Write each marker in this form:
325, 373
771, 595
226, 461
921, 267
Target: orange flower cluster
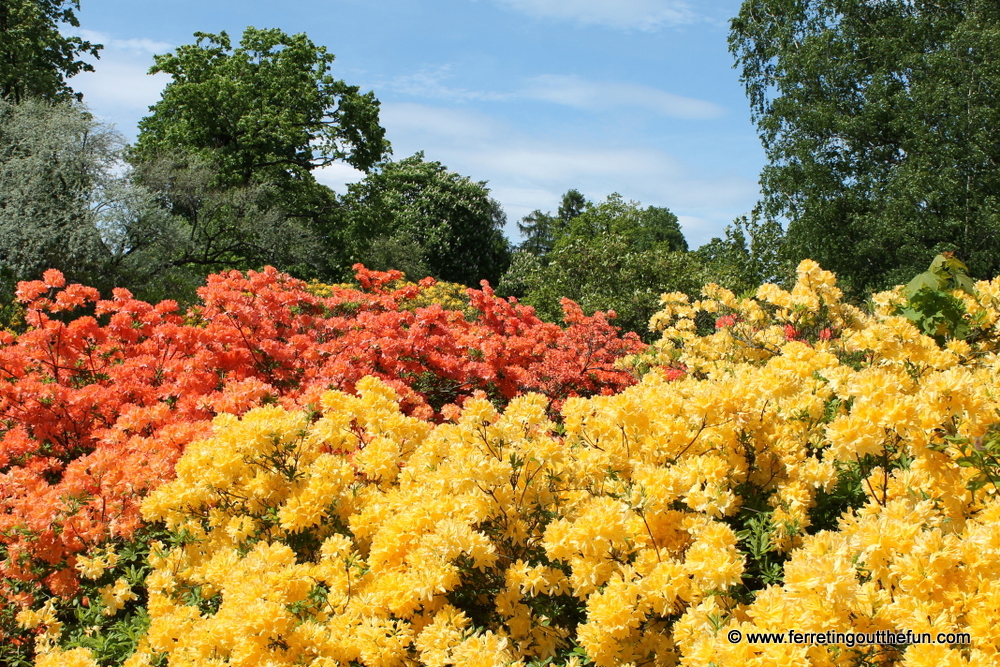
96, 408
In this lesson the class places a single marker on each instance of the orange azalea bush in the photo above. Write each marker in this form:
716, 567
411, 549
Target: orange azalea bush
813, 467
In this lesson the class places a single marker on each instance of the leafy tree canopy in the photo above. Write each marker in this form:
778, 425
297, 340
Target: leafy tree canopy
607, 273
879, 122
69, 202
612, 255
749, 255
267, 110
644, 228
419, 215
35, 59
53, 157
541, 229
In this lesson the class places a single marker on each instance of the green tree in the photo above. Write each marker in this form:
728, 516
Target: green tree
651, 228
614, 255
35, 59
265, 114
420, 214
608, 273
52, 158
541, 229
207, 228
879, 123
68, 201
266, 111
572, 205
749, 256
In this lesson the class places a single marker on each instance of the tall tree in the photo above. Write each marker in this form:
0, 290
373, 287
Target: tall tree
749, 256
268, 107
266, 113
35, 58
52, 157
540, 230
611, 255
68, 201
417, 214
879, 122
643, 229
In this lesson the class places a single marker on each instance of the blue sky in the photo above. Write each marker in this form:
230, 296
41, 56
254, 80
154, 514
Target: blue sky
535, 97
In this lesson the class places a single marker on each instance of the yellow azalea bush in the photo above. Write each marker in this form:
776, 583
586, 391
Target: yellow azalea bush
804, 466
450, 296
366, 536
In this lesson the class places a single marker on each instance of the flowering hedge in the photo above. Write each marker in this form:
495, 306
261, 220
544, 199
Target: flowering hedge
99, 398
804, 466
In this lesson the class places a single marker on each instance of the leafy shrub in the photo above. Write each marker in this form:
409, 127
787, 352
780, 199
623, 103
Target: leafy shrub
95, 409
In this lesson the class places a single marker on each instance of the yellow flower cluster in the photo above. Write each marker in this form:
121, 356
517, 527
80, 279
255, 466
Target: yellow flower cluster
450, 296
370, 537
898, 566
114, 596
45, 618
95, 566
362, 536
923, 551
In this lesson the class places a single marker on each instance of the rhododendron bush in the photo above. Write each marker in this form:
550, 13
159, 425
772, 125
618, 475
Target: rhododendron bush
95, 408
806, 465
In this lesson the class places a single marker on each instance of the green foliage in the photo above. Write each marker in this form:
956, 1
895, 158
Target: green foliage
981, 453
608, 273
212, 228
53, 159
68, 201
540, 230
878, 120
750, 255
520, 275
646, 229
419, 215
614, 255
265, 111
932, 306
111, 634
261, 117
35, 58
11, 311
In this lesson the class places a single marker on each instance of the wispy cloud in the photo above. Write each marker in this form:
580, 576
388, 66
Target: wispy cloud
140, 45
646, 15
564, 90
424, 121
592, 96
527, 172
430, 82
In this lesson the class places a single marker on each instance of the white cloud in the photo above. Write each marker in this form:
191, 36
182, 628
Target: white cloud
562, 162
422, 120
593, 96
141, 45
572, 91
527, 172
119, 88
622, 14
429, 82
